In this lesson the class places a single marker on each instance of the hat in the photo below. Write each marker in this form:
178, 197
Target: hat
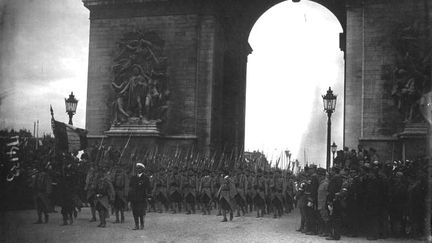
140, 165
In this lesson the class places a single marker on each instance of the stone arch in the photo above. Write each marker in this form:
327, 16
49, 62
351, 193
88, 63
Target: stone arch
238, 19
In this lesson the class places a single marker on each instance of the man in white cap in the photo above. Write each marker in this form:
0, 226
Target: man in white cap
139, 187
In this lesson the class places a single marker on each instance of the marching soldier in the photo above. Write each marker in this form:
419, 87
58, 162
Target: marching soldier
67, 192
206, 191
42, 188
260, 187
218, 181
160, 191
249, 191
105, 196
139, 188
118, 180
268, 177
289, 192
277, 193
240, 196
226, 195
188, 186
175, 190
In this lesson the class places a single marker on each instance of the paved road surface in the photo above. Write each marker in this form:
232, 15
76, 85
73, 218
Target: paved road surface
17, 226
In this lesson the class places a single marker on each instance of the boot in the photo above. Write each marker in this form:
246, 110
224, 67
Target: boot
122, 218
39, 221
103, 223
142, 222
136, 223
93, 213
64, 220
117, 217
224, 217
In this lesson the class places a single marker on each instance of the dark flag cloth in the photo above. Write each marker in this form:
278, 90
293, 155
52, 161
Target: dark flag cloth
68, 138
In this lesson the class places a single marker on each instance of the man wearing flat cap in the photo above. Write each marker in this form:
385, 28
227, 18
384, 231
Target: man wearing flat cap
139, 187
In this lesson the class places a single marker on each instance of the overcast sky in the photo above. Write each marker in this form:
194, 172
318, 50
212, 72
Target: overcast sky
43, 57
296, 57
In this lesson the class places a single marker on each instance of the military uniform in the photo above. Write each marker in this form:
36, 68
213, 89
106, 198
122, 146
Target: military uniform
206, 191
68, 190
174, 188
240, 182
90, 185
260, 191
189, 187
276, 196
160, 191
42, 188
226, 194
118, 180
105, 195
249, 191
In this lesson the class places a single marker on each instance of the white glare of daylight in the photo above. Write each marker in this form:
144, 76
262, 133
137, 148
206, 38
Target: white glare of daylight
295, 58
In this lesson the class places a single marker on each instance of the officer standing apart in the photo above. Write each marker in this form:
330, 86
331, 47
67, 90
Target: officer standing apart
139, 187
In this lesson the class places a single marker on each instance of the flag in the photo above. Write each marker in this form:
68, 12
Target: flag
68, 138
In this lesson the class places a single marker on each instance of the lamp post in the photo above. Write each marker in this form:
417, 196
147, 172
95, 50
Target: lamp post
329, 101
333, 149
71, 106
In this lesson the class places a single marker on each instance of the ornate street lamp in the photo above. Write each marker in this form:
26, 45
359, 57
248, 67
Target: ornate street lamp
333, 149
329, 101
71, 106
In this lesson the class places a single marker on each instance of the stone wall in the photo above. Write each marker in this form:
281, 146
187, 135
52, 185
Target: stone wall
189, 47
371, 117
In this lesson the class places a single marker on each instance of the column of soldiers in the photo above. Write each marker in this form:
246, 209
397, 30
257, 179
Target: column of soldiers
191, 189
359, 196
239, 192
363, 198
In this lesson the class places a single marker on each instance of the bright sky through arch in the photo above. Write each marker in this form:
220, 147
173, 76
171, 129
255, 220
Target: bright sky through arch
295, 58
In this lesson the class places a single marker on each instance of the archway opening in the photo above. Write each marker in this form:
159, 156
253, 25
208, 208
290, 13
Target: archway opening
295, 59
